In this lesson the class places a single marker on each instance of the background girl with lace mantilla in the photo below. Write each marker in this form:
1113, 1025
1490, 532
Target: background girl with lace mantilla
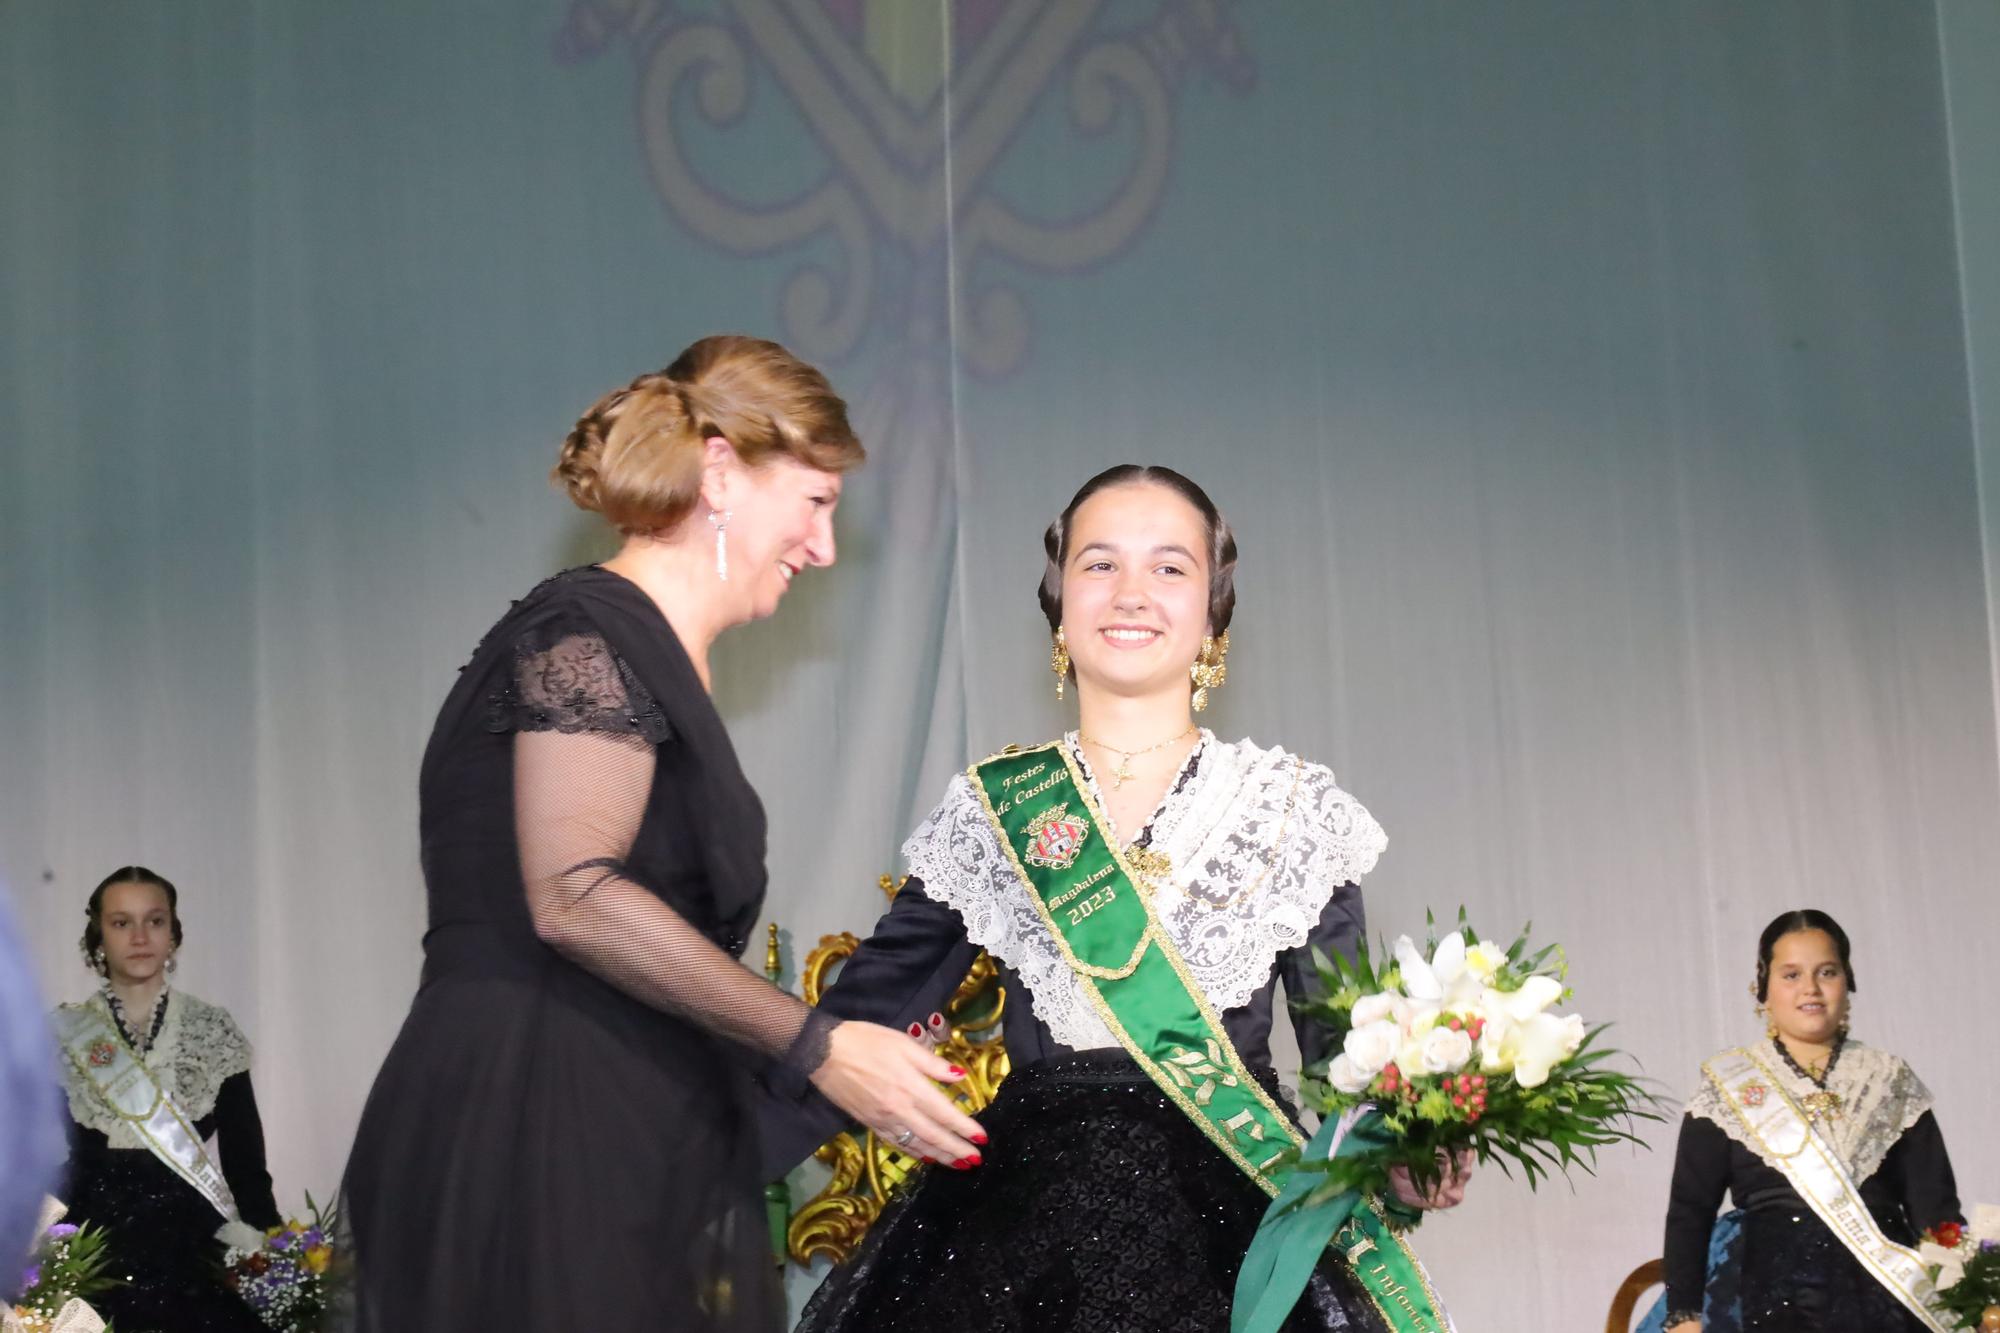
1804, 1126
152, 1073
1120, 1188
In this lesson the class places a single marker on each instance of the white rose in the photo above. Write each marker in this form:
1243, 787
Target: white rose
1345, 1077
1446, 1050
1485, 959
1383, 1006
1371, 1047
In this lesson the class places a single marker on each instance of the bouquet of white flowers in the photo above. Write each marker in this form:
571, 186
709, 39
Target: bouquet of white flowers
1458, 1046
1452, 1047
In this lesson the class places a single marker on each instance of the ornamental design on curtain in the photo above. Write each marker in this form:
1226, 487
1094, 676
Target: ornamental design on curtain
889, 222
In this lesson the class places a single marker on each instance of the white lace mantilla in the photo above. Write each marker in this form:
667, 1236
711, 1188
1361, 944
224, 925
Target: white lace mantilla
1880, 1098
198, 1047
1258, 840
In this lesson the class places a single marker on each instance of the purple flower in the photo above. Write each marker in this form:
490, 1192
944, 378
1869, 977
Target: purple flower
1988, 1246
313, 1237
31, 1277
61, 1231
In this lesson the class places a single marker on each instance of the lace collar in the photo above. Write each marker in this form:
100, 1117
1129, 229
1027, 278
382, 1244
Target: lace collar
1248, 849
197, 1046
1880, 1098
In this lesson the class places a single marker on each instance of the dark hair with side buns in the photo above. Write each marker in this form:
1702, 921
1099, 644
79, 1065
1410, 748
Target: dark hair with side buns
1804, 918
1221, 541
93, 930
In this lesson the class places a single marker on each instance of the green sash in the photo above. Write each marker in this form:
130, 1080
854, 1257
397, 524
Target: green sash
1136, 980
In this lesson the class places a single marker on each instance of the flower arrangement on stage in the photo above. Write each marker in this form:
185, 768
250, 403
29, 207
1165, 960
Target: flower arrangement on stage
70, 1264
1458, 1046
1964, 1263
289, 1280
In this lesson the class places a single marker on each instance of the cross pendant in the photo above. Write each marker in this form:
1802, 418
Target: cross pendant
1123, 772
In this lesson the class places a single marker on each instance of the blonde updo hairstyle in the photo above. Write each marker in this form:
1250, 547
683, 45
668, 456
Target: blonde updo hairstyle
637, 455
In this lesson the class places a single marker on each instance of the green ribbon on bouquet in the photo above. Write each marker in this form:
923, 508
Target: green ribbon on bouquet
1294, 1234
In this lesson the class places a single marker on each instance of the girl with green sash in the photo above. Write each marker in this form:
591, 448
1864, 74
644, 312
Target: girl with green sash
1143, 885
1828, 1146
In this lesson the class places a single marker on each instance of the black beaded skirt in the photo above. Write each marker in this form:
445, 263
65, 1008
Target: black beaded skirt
163, 1247
1099, 1207
1799, 1278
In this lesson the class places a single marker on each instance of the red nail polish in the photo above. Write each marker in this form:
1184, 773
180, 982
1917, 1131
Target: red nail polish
916, 1029
937, 1020
974, 1160
956, 1072
960, 1164
979, 1139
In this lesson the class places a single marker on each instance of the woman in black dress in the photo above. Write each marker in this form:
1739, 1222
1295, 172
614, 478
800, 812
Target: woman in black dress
167, 1233
1101, 1204
1865, 1105
560, 1137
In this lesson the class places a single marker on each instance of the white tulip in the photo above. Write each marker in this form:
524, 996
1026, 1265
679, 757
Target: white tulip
1448, 962
1536, 994
1494, 1055
1419, 981
1541, 1043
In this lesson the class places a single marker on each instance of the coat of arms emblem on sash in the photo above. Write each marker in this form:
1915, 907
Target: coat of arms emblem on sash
1055, 837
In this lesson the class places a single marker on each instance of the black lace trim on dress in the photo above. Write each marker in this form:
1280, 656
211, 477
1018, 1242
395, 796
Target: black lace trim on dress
571, 681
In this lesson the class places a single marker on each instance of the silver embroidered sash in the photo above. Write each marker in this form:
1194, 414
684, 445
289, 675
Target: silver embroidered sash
106, 1063
1791, 1145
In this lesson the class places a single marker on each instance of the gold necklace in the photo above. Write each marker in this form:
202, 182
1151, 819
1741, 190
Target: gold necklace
1125, 757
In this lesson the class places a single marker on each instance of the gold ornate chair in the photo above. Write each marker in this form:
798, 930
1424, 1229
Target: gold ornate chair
867, 1171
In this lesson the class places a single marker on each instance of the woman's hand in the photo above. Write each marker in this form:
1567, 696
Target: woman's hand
1685, 1326
1448, 1192
889, 1083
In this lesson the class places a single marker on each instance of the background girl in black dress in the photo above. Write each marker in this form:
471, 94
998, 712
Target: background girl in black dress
558, 1139
167, 1239
1870, 1108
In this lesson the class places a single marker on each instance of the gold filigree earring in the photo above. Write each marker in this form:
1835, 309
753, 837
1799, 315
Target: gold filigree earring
1059, 660
1211, 668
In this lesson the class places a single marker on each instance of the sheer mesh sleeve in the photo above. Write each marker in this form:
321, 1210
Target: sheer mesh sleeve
583, 770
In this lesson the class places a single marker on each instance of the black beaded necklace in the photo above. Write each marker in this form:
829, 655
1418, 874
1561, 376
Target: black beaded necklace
140, 1044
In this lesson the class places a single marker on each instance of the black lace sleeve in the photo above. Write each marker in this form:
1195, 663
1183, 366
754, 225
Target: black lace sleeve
564, 677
